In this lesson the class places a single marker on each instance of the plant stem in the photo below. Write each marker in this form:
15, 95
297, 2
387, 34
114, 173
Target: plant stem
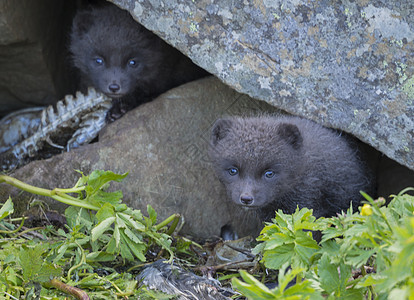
24, 186
14, 231
112, 283
72, 190
370, 288
54, 194
82, 260
174, 224
29, 230
17, 219
174, 217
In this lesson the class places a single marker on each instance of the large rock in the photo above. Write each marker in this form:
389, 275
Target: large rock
344, 64
163, 146
32, 52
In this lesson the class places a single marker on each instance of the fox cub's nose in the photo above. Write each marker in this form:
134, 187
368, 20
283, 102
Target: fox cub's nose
246, 199
114, 87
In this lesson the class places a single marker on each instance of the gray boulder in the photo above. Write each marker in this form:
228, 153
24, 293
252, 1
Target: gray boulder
347, 65
32, 41
163, 146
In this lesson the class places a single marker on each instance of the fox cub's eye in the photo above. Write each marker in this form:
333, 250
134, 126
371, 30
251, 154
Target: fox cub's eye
269, 174
99, 61
233, 171
132, 63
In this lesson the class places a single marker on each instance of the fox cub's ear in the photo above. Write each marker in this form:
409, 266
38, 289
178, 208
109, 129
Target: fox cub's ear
291, 134
82, 22
220, 130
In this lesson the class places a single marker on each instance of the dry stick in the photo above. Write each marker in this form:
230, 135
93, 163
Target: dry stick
241, 250
77, 293
221, 266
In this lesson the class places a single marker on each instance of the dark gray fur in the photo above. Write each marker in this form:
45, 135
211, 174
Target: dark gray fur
313, 166
110, 34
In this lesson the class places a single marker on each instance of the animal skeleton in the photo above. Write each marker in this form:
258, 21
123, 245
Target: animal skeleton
23, 134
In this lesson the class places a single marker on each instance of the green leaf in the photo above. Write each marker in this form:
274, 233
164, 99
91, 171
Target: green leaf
331, 233
105, 212
305, 246
48, 272
99, 229
268, 231
345, 273
116, 236
97, 179
61, 251
121, 207
286, 240
96, 183
34, 267
125, 252
331, 248
275, 258
120, 222
303, 219
100, 256
10, 276
258, 249
30, 260
131, 222
371, 280
132, 236
112, 247
6, 209
403, 293
152, 215
303, 288
285, 277
328, 275
353, 294
78, 216
252, 288
358, 257
335, 279
98, 198
163, 240
277, 240
135, 214
137, 249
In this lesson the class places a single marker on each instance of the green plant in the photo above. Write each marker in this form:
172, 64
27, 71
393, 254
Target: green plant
367, 254
100, 229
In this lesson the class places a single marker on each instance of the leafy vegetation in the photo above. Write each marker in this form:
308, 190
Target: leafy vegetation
368, 254
99, 229
362, 255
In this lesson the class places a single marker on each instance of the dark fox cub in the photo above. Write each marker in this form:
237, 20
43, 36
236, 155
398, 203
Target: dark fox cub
271, 163
122, 59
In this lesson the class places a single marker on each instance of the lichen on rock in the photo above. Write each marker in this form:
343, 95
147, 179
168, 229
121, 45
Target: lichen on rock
323, 61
